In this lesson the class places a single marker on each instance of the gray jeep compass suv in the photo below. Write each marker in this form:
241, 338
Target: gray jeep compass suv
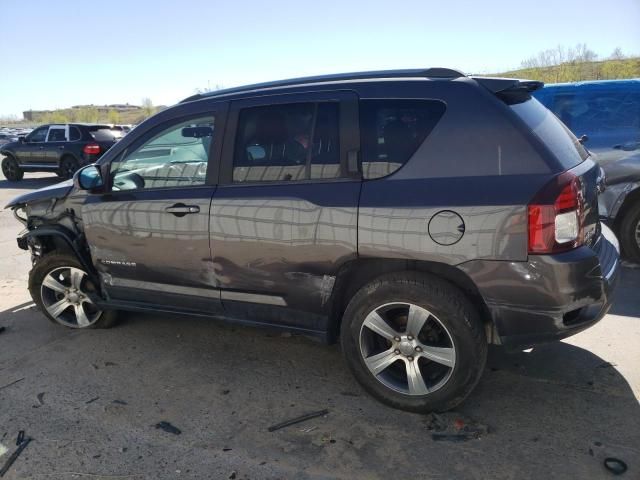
417, 215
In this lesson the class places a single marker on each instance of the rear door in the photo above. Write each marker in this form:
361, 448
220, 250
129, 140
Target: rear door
284, 218
55, 145
149, 235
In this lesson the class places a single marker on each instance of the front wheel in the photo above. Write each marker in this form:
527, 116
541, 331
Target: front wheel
414, 342
11, 170
62, 290
630, 233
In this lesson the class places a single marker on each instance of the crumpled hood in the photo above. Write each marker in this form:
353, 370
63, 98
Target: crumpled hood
58, 190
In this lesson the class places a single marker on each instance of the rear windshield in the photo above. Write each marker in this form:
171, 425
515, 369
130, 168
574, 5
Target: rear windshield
105, 134
552, 132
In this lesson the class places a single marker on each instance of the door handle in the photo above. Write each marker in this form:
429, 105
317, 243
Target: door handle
61, 147
180, 209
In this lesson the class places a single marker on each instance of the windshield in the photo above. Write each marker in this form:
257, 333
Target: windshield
555, 135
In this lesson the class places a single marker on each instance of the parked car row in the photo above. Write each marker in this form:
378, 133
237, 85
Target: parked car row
417, 215
606, 116
9, 134
59, 148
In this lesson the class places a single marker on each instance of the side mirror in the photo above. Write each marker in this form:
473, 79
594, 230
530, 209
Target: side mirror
88, 178
583, 139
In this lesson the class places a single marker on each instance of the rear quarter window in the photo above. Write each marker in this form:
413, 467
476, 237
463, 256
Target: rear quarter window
392, 131
552, 132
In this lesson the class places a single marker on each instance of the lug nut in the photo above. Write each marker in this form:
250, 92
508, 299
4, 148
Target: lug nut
410, 358
409, 337
397, 352
397, 339
418, 349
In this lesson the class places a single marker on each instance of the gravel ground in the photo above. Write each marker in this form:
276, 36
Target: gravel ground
91, 400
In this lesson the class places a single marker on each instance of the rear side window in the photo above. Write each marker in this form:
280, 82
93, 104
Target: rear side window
290, 142
57, 135
392, 130
558, 138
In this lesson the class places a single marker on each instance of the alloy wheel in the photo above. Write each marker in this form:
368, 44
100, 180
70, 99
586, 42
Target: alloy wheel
9, 169
407, 348
64, 295
68, 168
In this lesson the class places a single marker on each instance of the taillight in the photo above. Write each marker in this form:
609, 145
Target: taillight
91, 149
556, 216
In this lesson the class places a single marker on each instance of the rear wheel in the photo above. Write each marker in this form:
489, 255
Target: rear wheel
630, 233
414, 342
11, 170
61, 288
68, 166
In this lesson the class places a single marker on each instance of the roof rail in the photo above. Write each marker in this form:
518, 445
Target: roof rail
436, 72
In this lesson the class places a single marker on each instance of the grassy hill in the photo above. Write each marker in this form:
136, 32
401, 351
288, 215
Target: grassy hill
87, 114
577, 71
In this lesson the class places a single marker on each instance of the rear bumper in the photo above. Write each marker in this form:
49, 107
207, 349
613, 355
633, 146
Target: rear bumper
88, 159
549, 297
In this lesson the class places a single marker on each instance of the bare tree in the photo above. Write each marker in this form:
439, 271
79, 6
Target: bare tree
617, 54
209, 88
147, 107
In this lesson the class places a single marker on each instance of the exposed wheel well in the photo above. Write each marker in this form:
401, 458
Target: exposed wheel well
354, 275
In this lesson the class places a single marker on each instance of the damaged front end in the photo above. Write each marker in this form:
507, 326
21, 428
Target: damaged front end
50, 222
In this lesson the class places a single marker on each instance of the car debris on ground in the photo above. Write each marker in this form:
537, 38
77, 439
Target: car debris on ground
22, 444
167, 427
453, 427
302, 418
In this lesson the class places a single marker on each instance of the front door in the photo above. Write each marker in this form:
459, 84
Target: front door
30, 152
284, 217
149, 235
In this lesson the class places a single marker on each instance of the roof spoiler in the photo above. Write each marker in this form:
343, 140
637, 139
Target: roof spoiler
510, 90
504, 85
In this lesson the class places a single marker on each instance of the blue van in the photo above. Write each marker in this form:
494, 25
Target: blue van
608, 113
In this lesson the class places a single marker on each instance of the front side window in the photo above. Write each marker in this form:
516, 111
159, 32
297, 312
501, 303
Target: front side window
175, 157
289, 142
392, 131
39, 135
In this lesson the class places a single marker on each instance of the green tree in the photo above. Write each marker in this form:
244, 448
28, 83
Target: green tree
113, 116
87, 114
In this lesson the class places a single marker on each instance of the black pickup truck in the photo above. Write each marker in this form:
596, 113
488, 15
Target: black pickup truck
59, 148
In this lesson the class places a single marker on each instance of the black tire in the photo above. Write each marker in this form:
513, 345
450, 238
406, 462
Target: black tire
11, 170
68, 166
58, 262
449, 307
630, 233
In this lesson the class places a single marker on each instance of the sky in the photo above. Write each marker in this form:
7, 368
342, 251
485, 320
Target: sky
56, 54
